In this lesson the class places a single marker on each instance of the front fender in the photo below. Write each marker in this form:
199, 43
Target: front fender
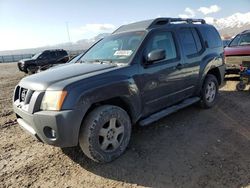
100, 90
126, 90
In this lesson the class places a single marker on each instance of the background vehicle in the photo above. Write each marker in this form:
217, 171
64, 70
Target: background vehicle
237, 51
43, 61
139, 74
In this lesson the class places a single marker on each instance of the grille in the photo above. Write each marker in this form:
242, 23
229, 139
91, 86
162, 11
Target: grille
24, 95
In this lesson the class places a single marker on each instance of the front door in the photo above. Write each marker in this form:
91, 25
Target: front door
161, 82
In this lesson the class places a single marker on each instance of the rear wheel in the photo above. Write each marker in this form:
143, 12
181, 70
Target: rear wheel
240, 86
209, 91
105, 133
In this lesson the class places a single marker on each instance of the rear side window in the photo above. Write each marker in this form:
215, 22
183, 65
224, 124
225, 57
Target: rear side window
165, 41
190, 41
212, 37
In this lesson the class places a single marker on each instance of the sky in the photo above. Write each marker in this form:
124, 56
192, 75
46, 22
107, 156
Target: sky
35, 23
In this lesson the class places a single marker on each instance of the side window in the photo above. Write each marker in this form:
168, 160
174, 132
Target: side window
165, 41
212, 37
197, 40
188, 42
44, 55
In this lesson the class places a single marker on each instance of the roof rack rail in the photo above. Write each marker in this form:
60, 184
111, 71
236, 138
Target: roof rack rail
163, 21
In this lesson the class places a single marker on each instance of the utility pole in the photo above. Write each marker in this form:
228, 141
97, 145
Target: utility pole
67, 28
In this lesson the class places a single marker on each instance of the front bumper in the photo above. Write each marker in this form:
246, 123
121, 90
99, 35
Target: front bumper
21, 66
65, 124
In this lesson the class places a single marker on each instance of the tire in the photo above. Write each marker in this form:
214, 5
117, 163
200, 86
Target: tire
209, 91
31, 69
105, 133
240, 86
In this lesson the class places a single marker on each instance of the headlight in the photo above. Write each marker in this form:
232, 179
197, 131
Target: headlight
53, 100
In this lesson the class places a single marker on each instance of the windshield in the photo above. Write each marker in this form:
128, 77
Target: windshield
36, 56
115, 48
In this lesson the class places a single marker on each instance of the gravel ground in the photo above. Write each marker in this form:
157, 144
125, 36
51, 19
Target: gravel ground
191, 148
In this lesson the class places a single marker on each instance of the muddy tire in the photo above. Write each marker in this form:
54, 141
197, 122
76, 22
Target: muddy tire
240, 86
209, 91
105, 133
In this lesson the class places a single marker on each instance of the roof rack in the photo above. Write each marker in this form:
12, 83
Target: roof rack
163, 21
148, 24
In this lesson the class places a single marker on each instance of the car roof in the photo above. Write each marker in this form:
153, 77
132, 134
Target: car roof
245, 32
156, 23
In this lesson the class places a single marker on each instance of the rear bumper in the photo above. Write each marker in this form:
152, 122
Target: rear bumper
65, 125
233, 63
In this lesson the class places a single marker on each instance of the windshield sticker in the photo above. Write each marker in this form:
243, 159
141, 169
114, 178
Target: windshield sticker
123, 53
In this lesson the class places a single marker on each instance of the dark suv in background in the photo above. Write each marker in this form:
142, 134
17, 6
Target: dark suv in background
43, 61
139, 74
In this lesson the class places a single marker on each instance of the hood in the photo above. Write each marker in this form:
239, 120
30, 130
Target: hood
237, 50
41, 81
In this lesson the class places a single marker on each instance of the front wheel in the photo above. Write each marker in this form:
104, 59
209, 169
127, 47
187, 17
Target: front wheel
209, 91
105, 133
31, 69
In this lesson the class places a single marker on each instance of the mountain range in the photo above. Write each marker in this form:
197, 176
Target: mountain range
232, 25
227, 27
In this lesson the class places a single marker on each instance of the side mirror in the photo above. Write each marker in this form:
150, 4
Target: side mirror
156, 55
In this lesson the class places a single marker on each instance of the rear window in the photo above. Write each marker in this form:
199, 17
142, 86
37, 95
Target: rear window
212, 37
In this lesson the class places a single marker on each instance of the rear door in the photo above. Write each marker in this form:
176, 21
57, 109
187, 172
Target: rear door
192, 50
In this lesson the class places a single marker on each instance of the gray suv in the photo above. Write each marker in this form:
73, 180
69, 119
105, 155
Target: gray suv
139, 74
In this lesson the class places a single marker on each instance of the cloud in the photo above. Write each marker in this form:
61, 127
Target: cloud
210, 20
189, 13
209, 10
90, 30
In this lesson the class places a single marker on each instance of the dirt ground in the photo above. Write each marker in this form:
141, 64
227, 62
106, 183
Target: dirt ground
191, 148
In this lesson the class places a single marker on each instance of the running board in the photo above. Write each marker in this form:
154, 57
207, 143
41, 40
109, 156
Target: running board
155, 117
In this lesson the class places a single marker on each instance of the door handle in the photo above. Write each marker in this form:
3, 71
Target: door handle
179, 66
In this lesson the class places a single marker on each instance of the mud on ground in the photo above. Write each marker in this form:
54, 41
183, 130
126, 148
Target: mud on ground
191, 148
